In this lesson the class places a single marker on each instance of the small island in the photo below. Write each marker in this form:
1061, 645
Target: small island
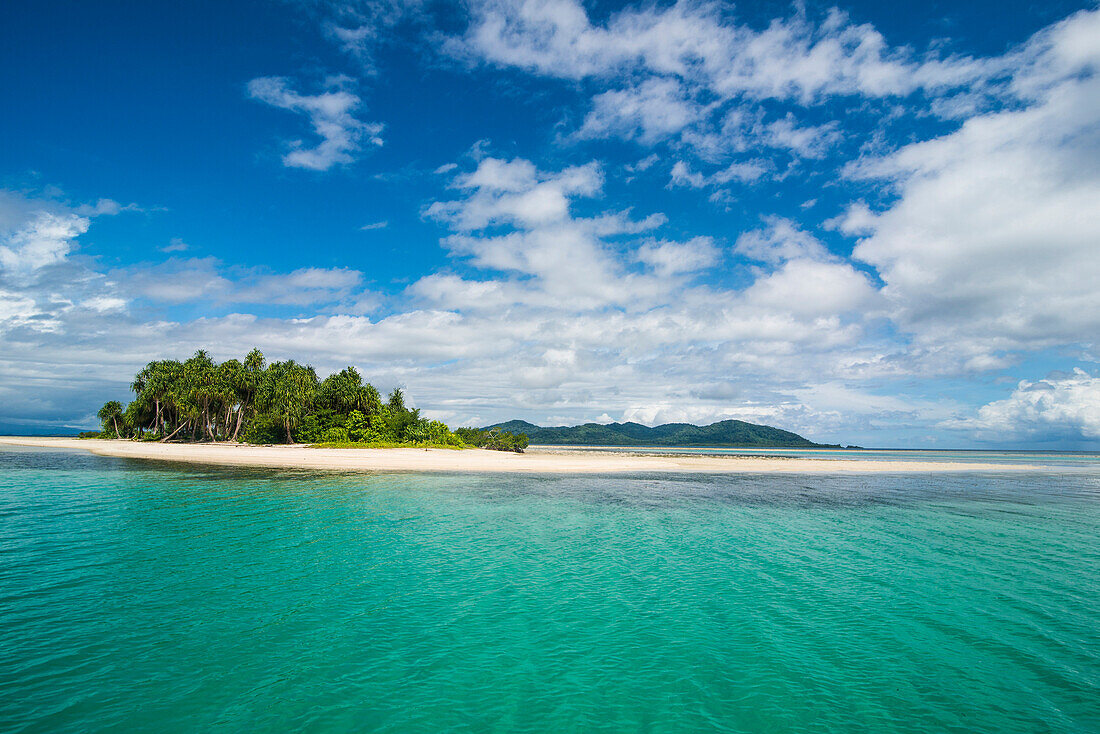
199, 400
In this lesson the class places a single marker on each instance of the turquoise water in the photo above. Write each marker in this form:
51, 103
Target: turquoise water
1051, 459
154, 597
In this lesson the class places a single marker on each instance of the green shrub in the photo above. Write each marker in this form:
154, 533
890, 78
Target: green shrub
335, 435
265, 428
310, 430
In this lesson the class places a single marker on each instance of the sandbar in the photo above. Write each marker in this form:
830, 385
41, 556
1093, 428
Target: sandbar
534, 461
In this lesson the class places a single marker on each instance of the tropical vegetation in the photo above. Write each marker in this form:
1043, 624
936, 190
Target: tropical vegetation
249, 400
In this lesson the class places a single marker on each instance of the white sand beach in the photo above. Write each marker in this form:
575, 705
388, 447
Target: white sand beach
535, 461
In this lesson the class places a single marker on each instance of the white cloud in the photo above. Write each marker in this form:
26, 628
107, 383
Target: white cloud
644, 164
742, 171
672, 258
102, 207
205, 279
790, 58
564, 256
781, 240
45, 240
175, 245
16, 310
654, 110
682, 175
992, 244
808, 141
814, 289
374, 225
689, 72
330, 113
1058, 407
515, 193
39, 232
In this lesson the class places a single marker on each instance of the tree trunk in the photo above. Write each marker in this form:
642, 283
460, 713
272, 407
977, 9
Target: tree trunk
240, 420
288, 438
115, 421
173, 433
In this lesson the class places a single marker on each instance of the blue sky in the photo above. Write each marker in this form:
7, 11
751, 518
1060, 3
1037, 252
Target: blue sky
867, 223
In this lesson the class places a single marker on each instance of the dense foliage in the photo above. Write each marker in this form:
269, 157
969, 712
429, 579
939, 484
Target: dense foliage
493, 438
722, 434
284, 402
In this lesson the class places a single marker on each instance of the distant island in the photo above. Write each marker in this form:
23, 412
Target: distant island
723, 434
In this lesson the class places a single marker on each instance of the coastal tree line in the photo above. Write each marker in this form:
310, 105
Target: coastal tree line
252, 401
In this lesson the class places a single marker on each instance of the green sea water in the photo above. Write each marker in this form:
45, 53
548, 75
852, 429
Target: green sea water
139, 596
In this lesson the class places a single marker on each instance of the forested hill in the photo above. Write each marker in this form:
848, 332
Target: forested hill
724, 434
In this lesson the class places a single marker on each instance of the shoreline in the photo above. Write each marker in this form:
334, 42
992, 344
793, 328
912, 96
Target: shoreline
483, 461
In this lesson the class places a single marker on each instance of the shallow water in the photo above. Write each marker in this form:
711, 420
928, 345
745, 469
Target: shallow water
1050, 459
147, 596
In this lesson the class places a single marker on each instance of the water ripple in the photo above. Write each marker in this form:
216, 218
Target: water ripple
139, 597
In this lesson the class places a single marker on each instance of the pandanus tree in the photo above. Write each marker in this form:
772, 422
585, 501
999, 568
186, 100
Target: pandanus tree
345, 391
229, 380
288, 392
396, 401
200, 391
201, 400
153, 384
247, 385
110, 414
339, 391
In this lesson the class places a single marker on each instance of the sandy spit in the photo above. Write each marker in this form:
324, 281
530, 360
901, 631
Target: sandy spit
482, 461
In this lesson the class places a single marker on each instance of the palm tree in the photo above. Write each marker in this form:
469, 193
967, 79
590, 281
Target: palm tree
111, 411
396, 400
249, 380
289, 391
199, 380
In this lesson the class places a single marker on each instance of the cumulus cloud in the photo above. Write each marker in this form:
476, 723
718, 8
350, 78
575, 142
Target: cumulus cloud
37, 232
682, 175
46, 239
1059, 407
782, 239
515, 193
690, 73
330, 112
808, 141
654, 110
991, 245
794, 57
561, 255
812, 289
671, 258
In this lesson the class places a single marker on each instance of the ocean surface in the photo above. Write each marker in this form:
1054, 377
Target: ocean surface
1050, 459
140, 596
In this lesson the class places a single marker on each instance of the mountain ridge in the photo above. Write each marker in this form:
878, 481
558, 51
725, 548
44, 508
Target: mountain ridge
722, 434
